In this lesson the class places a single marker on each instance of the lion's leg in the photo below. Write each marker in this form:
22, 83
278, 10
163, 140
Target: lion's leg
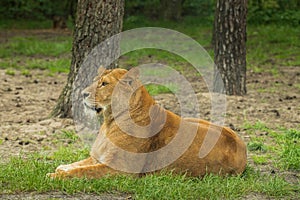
85, 162
88, 171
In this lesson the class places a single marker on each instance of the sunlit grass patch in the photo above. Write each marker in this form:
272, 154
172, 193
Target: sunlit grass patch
154, 89
260, 160
10, 72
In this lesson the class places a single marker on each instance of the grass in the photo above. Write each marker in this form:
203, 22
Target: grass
257, 146
10, 72
55, 65
267, 47
25, 175
289, 150
273, 45
260, 160
154, 89
284, 151
36, 46
21, 175
34, 52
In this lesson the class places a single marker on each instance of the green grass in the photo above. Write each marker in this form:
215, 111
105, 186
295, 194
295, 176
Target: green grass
289, 149
283, 148
25, 64
71, 135
10, 72
268, 47
20, 175
260, 160
154, 89
35, 46
28, 53
257, 146
273, 45
26, 175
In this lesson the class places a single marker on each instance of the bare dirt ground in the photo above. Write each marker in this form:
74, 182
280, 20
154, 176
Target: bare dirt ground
26, 103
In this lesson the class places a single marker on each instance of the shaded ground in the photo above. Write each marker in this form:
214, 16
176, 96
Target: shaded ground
26, 102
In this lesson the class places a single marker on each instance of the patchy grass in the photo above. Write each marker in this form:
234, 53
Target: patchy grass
154, 89
71, 135
284, 148
10, 72
35, 46
257, 146
25, 64
260, 159
27, 53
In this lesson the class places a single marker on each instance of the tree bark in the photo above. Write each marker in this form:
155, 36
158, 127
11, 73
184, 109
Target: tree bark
230, 46
171, 9
96, 21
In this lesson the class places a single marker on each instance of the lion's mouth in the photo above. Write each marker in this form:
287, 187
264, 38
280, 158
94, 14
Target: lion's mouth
94, 108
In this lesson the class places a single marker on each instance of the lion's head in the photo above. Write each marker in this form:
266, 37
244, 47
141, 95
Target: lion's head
98, 96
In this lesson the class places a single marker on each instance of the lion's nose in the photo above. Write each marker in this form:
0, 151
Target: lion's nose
85, 94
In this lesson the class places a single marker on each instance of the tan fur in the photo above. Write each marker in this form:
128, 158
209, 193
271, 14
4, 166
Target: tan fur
228, 156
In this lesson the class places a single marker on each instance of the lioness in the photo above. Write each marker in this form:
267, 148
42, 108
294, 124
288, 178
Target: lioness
227, 156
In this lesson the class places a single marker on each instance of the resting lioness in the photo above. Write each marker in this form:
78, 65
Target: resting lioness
117, 152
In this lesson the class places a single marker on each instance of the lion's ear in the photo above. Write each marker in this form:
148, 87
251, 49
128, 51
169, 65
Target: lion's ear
131, 76
134, 73
128, 80
101, 69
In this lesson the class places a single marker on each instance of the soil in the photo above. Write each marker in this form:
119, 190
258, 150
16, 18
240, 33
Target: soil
26, 103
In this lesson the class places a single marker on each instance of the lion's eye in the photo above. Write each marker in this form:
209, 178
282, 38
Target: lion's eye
104, 84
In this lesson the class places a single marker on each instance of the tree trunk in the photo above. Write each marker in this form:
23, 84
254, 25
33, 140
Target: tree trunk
230, 45
171, 9
95, 22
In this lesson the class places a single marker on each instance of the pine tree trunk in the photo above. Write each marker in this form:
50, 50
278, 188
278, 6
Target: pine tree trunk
95, 22
230, 45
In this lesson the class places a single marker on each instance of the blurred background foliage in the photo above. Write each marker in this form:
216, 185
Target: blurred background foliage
259, 11
37, 9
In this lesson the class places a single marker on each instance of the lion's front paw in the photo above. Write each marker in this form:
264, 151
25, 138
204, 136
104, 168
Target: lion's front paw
51, 175
56, 175
63, 168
